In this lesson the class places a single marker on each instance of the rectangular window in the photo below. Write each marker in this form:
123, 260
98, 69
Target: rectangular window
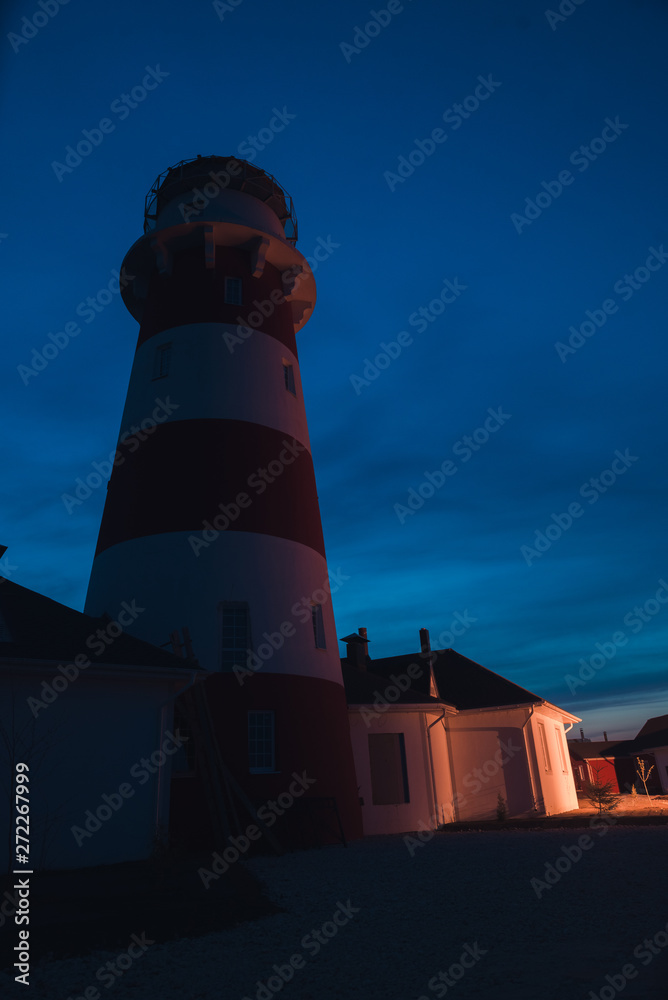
161, 360
542, 735
318, 626
236, 634
389, 773
560, 744
261, 743
289, 377
233, 291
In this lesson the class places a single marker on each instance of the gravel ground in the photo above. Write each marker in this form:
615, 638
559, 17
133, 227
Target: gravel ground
403, 919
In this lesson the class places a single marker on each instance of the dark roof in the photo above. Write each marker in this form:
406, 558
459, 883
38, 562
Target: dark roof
653, 734
590, 749
363, 688
42, 629
461, 682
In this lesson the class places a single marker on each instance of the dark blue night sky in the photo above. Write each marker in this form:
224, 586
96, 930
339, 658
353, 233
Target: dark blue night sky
486, 185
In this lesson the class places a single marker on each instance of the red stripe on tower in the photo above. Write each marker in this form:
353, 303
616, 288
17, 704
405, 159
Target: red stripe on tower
193, 293
257, 479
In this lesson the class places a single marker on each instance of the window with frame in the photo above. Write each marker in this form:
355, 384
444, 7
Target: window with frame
233, 291
235, 625
318, 626
389, 773
261, 742
162, 361
289, 377
542, 736
560, 743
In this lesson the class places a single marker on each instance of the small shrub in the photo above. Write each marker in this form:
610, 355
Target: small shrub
601, 795
501, 808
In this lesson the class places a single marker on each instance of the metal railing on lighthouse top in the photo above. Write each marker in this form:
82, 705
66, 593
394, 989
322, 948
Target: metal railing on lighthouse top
187, 175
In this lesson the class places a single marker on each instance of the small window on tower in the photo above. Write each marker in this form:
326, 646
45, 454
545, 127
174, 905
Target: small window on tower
161, 361
261, 743
289, 377
318, 626
236, 634
233, 291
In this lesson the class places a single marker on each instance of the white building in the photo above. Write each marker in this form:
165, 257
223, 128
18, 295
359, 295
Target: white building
438, 738
89, 710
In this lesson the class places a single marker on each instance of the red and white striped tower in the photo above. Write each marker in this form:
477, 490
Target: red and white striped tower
212, 518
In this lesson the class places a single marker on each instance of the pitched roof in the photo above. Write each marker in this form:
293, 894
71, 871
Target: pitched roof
41, 629
461, 682
588, 749
653, 734
363, 688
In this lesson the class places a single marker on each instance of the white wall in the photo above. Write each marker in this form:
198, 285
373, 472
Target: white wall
419, 812
87, 743
443, 768
177, 588
489, 754
476, 756
207, 380
557, 785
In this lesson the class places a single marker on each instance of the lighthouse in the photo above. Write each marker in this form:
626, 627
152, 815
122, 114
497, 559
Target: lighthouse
212, 519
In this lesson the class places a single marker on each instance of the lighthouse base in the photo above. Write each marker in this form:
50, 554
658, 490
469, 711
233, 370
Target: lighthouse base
269, 767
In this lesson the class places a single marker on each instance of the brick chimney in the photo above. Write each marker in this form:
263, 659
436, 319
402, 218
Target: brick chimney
357, 648
425, 642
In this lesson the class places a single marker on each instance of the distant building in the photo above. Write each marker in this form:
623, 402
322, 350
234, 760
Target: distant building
617, 761
602, 760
